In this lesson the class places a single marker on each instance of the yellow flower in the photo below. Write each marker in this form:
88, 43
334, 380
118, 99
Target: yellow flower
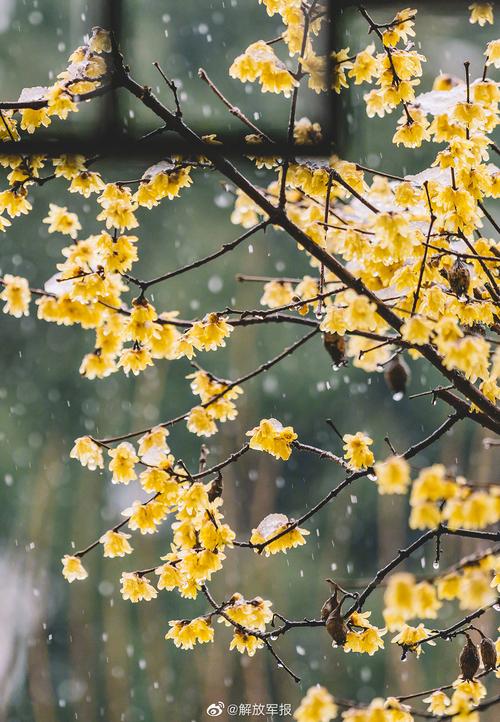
399, 595
475, 590
305, 131
271, 436
364, 67
122, 464
246, 643
61, 220
97, 365
68, 166
367, 641
8, 129
115, 544
216, 537
271, 526
426, 601
361, 312
60, 102
393, 475
438, 703
473, 689
200, 422
259, 62
186, 634
409, 638
100, 42
471, 114
356, 450
481, 13
169, 577
118, 207
448, 587
135, 359
335, 321
31, 119
87, 452
425, 515
412, 134
416, 330
73, 568
140, 326
136, 588
194, 498
400, 28
16, 294
209, 334
118, 254
15, 202
4, 223
86, 182
277, 294
492, 53
146, 517
318, 705
252, 614
201, 565
162, 181
158, 480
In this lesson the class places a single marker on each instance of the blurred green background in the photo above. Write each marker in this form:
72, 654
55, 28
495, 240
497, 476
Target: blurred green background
81, 652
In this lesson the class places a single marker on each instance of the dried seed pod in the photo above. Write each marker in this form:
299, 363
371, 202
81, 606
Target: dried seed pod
327, 608
334, 343
336, 627
215, 489
397, 375
332, 601
459, 278
488, 654
469, 660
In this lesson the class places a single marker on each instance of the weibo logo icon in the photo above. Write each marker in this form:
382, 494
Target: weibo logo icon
215, 709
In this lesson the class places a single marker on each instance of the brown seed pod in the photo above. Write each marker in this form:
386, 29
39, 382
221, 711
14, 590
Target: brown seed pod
488, 654
469, 660
332, 601
336, 627
327, 608
215, 488
397, 375
459, 278
334, 343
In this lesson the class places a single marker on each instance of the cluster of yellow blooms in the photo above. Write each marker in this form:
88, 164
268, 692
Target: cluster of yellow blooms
218, 403
318, 705
417, 245
199, 533
271, 436
436, 498
474, 584
387, 247
275, 525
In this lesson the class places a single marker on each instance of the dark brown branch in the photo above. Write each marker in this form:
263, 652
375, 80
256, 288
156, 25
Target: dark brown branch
225, 248
233, 109
278, 216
